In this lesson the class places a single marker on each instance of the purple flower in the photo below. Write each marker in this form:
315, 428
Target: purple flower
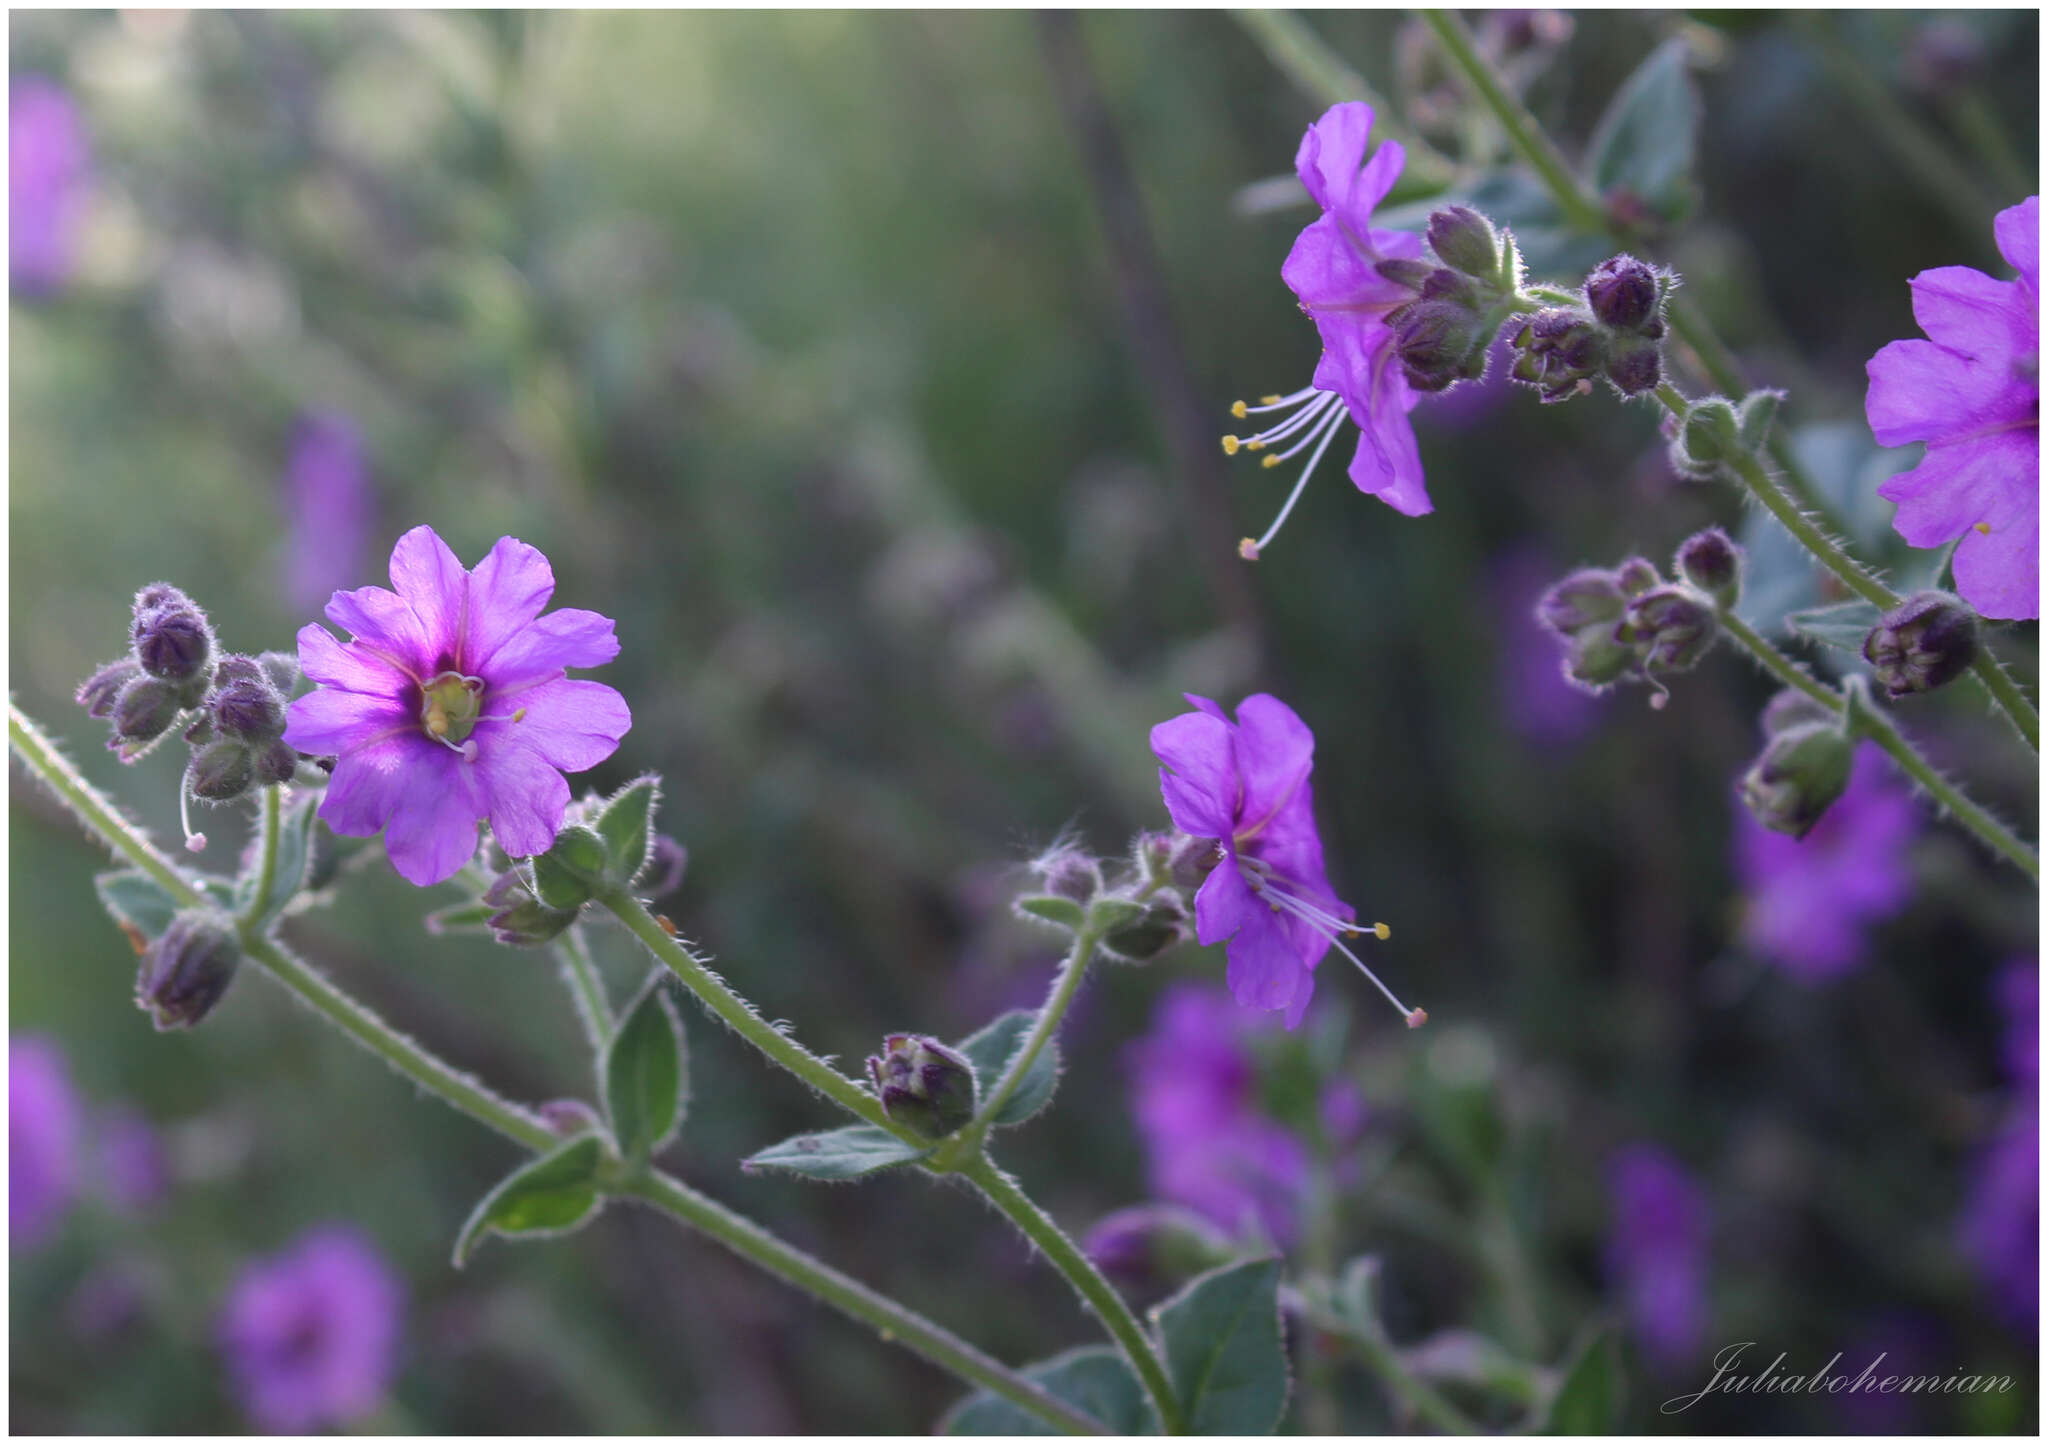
42, 1139
311, 1335
1537, 698
1245, 784
1972, 392
49, 163
132, 1170
1811, 899
1334, 271
2000, 1228
1657, 1251
2018, 987
451, 705
1194, 1094
328, 508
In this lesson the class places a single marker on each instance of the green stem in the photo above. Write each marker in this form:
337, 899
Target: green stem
585, 986
1100, 1295
437, 1077
1882, 730
1385, 1362
749, 1025
1047, 1024
266, 871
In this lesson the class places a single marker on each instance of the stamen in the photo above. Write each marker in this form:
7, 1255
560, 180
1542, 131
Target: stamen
1984, 527
1248, 549
1275, 402
1320, 920
194, 842
1304, 417
1230, 445
1328, 430
1237, 409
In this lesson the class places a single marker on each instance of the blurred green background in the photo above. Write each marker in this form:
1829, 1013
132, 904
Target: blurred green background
795, 342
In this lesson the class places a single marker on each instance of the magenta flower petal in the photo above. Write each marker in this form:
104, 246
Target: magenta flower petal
1331, 151
1223, 905
1964, 489
1274, 751
451, 706
1198, 779
2018, 231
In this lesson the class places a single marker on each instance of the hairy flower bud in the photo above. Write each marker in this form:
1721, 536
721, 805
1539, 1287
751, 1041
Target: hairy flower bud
1797, 778
1069, 873
521, 920
1635, 365
1635, 576
1708, 439
1560, 349
1596, 659
243, 704
143, 709
221, 771
1673, 626
170, 634
566, 1118
1712, 562
97, 693
274, 763
1163, 924
923, 1084
1466, 242
1791, 709
1923, 643
1579, 600
187, 969
1623, 293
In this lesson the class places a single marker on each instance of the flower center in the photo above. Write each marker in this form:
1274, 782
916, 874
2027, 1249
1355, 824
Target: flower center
449, 705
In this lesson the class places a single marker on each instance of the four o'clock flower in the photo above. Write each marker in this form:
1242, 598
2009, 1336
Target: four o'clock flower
1245, 784
451, 705
1972, 392
1338, 270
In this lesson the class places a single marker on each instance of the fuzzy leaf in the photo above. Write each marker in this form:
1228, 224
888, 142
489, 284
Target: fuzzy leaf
837, 1154
627, 827
294, 857
551, 1195
134, 900
1644, 144
1224, 1352
1094, 1380
645, 1074
1843, 625
558, 886
1589, 1400
1053, 909
991, 1050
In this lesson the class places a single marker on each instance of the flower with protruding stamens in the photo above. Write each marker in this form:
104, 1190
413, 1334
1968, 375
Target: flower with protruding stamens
1245, 784
451, 705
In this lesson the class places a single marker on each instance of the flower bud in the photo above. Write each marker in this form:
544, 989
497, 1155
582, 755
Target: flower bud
220, 772
1635, 576
1153, 1247
1635, 365
170, 635
1560, 349
143, 709
1708, 439
275, 763
923, 1084
1754, 417
187, 969
522, 920
1579, 600
1069, 873
566, 1118
1163, 924
97, 693
1798, 777
1623, 293
243, 704
1596, 659
1793, 708
1712, 562
1405, 273
1923, 643
1466, 242
1672, 624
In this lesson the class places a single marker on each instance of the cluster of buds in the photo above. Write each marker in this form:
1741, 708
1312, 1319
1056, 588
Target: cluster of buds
1804, 767
923, 1085
1926, 642
1442, 336
1631, 622
1140, 918
1616, 333
1714, 431
187, 969
232, 708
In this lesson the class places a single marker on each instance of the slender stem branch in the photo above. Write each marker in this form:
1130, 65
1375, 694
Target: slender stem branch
749, 1025
850, 1297
456, 1089
1100, 1295
586, 987
1385, 1361
266, 871
1882, 730
1065, 985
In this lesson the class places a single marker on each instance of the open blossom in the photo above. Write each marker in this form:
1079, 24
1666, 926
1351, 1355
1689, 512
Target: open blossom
48, 170
43, 1118
451, 705
1812, 899
1245, 784
328, 508
1657, 1253
1334, 269
1972, 392
311, 1335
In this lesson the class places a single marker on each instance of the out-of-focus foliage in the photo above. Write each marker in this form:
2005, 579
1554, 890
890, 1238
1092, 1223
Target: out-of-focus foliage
792, 339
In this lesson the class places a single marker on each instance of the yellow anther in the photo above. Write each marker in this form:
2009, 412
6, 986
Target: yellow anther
1254, 445
519, 714
1272, 461
1237, 410
1249, 550
1985, 528
437, 720
1382, 932
1274, 400
1230, 446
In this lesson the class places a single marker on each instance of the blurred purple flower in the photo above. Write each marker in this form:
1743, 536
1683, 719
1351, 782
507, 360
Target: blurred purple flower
1657, 1252
42, 1139
1469, 403
49, 167
1536, 698
2018, 987
132, 1169
2000, 1228
1972, 392
451, 705
1811, 899
1194, 1094
1900, 1342
310, 1336
328, 508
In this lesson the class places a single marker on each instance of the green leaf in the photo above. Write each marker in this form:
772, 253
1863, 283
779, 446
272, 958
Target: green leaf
991, 1050
1106, 915
1644, 144
551, 1195
1094, 1380
837, 1154
556, 885
1844, 625
134, 900
645, 1077
294, 857
627, 827
460, 918
1589, 1400
1224, 1352
1053, 909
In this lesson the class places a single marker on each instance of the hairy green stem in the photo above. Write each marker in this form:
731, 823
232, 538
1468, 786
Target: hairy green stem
1385, 1362
1100, 1295
1879, 727
430, 1072
586, 987
266, 868
1065, 986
